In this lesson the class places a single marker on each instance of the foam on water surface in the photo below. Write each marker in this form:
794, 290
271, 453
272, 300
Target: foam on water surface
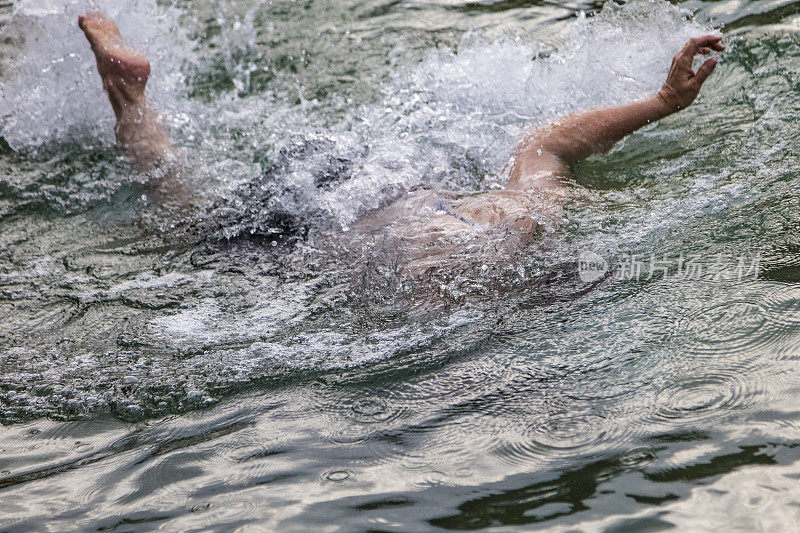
199, 377
450, 120
265, 162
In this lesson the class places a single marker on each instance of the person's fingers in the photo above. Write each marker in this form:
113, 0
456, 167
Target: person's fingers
704, 72
715, 43
687, 52
705, 51
696, 44
710, 40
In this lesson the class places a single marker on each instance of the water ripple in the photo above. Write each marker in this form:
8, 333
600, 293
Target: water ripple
708, 398
736, 326
783, 306
338, 475
563, 434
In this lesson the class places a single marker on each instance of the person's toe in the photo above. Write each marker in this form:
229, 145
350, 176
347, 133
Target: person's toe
82, 20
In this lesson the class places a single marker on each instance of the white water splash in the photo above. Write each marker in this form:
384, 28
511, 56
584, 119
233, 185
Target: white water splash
451, 120
475, 102
53, 93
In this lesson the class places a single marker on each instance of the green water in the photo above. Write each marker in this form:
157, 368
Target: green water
216, 368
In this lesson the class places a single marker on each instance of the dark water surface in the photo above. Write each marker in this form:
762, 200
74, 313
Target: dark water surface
215, 368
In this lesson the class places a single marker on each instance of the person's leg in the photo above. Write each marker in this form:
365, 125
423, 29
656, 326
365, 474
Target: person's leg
124, 73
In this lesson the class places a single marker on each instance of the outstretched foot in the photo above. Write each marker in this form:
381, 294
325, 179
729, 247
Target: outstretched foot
123, 70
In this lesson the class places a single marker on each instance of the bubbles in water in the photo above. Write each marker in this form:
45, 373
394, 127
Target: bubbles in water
231, 510
367, 411
453, 119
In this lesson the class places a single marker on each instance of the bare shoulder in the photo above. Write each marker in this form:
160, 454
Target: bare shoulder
535, 169
503, 207
419, 203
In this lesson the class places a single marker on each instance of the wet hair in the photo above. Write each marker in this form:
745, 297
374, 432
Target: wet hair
257, 211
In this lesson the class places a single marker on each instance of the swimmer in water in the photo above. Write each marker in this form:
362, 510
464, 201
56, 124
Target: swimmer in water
539, 166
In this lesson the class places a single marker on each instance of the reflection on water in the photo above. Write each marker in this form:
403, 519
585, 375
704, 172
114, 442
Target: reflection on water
226, 366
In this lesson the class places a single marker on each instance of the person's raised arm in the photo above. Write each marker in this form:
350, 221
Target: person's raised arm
546, 154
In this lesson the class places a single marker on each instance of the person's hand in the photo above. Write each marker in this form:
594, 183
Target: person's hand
683, 84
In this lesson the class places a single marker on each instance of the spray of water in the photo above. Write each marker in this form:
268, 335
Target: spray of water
269, 164
52, 94
450, 120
